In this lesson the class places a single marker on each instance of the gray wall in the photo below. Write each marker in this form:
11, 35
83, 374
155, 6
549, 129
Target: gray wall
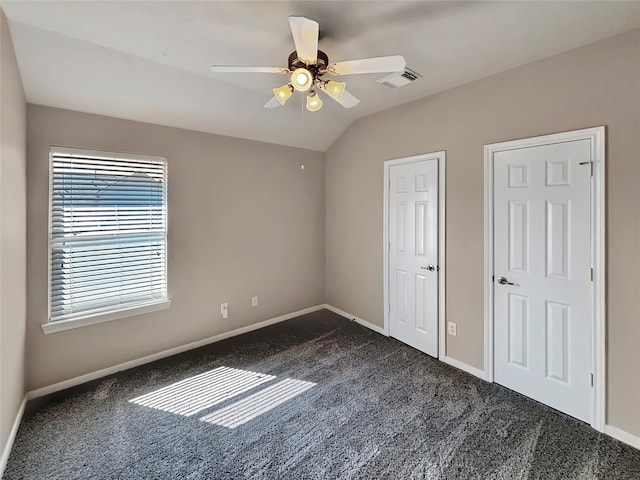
244, 220
13, 234
595, 85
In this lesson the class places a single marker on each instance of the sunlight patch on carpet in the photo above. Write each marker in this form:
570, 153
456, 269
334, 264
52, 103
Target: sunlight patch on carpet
194, 394
248, 408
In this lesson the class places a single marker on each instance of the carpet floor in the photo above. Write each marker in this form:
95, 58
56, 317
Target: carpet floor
316, 397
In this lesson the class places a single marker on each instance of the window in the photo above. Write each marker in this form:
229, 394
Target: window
107, 236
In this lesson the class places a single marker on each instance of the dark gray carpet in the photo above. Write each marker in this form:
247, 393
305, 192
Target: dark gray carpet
378, 409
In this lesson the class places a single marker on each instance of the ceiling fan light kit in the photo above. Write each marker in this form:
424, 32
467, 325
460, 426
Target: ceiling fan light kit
307, 65
334, 89
302, 79
283, 93
314, 102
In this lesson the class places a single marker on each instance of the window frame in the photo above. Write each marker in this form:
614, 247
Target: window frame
114, 312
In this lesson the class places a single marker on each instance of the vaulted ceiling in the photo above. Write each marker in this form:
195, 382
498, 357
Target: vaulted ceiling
149, 61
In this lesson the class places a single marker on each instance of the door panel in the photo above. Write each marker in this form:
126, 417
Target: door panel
541, 246
402, 296
557, 319
518, 236
558, 239
413, 247
518, 330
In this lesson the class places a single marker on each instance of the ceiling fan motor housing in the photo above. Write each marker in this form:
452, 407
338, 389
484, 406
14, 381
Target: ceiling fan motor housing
317, 69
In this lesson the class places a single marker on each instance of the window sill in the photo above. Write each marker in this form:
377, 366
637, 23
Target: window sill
101, 317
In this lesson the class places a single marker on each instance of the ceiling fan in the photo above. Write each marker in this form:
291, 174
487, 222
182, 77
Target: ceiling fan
307, 67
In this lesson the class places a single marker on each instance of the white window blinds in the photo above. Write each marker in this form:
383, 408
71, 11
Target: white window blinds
108, 232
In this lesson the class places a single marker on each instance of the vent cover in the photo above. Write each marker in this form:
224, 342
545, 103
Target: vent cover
395, 80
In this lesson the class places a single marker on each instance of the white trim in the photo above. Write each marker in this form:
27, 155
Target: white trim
476, 372
442, 284
72, 382
623, 436
8, 446
599, 319
596, 136
448, 360
488, 265
441, 157
359, 320
107, 316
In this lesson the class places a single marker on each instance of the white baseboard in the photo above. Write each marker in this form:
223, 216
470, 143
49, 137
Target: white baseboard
623, 436
463, 366
6, 451
72, 382
448, 360
359, 320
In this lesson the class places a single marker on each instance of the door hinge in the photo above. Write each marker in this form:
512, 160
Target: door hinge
590, 167
592, 379
389, 309
591, 273
389, 245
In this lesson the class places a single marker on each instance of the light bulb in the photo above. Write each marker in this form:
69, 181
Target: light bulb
301, 79
314, 103
283, 93
335, 89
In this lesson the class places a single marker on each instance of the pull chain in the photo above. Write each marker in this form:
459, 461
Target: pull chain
302, 124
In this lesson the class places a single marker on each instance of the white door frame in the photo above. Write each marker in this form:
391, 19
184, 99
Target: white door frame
441, 158
596, 136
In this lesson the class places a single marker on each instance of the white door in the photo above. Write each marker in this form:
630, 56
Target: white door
413, 254
542, 266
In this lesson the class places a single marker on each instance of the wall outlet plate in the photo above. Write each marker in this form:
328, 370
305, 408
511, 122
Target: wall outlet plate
452, 329
254, 301
224, 310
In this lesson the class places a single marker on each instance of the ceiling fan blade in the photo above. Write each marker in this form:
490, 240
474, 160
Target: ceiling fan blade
348, 100
392, 63
273, 103
305, 36
237, 69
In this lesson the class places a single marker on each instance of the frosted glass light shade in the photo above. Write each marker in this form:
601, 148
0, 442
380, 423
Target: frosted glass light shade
301, 79
283, 93
314, 102
335, 89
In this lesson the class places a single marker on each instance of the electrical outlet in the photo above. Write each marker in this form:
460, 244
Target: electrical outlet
452, 329
254, 301
224, 310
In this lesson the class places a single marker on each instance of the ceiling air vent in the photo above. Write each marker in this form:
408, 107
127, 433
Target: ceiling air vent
395, 80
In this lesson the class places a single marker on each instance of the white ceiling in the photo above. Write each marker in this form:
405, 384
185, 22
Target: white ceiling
149, 61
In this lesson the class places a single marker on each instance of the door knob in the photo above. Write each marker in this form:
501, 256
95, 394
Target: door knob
504, 281
431, 268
